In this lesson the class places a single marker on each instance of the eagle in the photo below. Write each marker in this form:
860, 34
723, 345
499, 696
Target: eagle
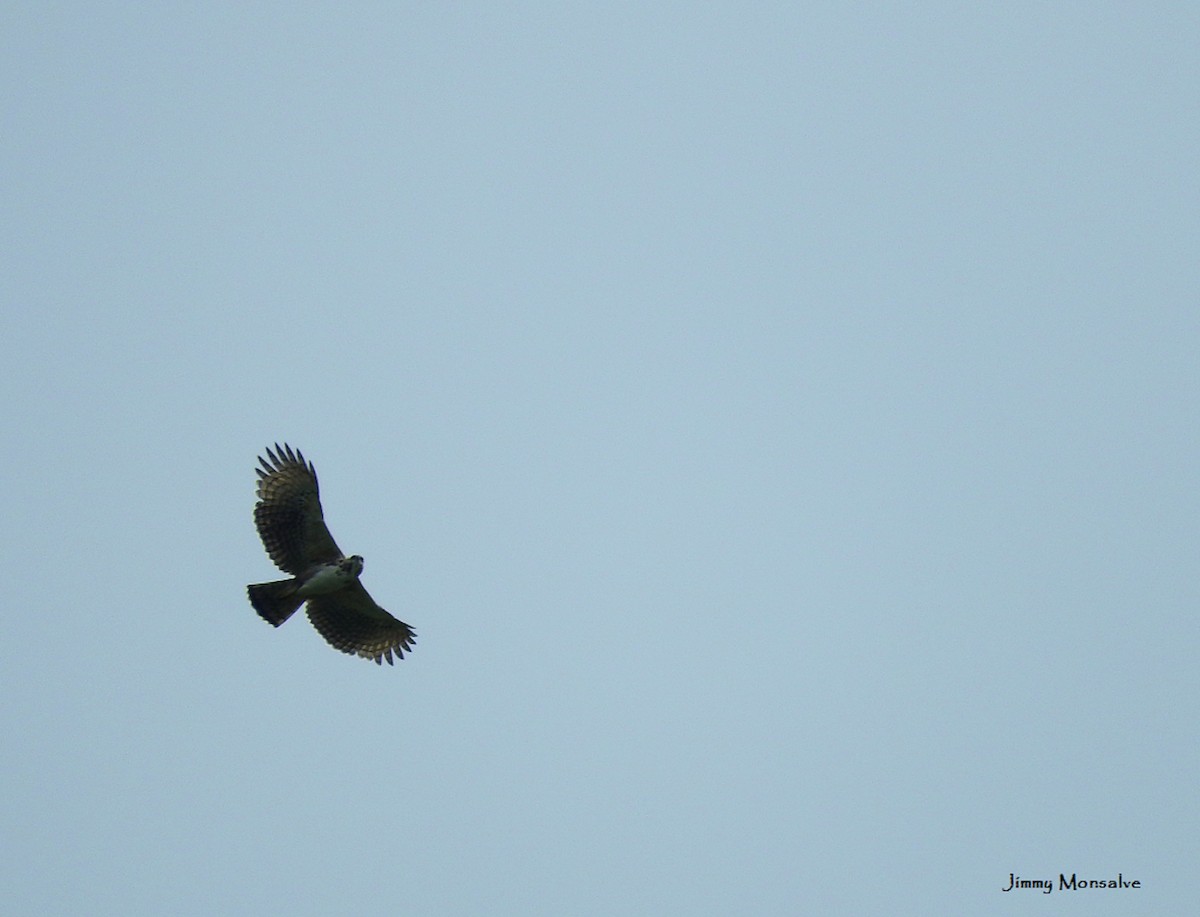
291, 525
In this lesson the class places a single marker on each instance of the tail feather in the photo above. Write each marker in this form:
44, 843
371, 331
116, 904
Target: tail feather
275, 602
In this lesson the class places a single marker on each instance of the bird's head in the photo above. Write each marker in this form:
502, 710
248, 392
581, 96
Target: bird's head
355, 564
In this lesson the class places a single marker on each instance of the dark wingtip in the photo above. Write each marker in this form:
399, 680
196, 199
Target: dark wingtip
278, 456
284, 455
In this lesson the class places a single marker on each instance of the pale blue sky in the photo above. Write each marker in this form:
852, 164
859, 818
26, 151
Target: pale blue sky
778, 421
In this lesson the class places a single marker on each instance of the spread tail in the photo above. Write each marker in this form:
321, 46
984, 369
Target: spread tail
275, 602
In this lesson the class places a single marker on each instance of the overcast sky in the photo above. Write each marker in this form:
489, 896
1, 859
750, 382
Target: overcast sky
777, 421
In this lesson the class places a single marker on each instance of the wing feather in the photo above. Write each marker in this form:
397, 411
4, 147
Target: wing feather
350, 621
288, 514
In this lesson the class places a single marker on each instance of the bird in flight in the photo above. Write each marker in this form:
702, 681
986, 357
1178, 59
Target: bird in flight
292, 528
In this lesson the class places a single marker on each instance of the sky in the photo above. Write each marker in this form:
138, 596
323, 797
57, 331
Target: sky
777, 421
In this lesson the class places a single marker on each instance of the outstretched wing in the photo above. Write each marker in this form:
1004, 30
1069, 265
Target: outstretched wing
350, 621
288, 513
